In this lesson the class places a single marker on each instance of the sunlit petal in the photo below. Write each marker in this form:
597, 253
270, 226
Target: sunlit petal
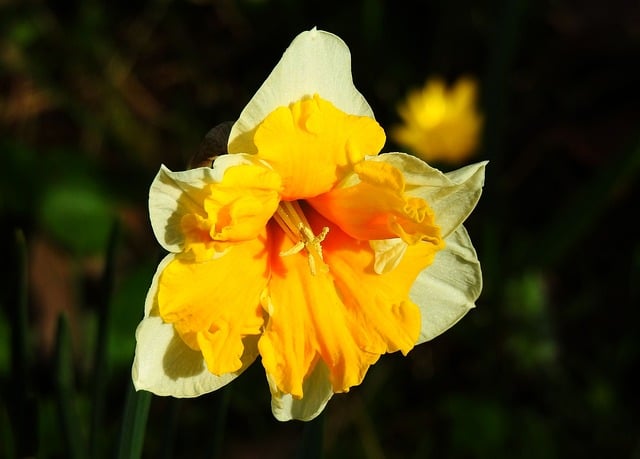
316, 62
239, 207
312, 145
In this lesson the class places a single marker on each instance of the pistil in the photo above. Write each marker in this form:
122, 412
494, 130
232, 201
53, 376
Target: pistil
295, 225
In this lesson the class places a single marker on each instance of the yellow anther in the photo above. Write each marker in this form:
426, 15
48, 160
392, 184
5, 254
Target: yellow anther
295, 225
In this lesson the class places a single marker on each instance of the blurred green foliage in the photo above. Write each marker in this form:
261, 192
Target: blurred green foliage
94, 96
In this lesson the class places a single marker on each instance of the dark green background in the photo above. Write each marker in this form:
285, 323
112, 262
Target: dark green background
94, 96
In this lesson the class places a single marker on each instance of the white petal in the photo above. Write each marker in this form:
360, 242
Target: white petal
452, 196
316, 62
317, 392
173, 194
223, 162
165, 365
151, 300
448, 289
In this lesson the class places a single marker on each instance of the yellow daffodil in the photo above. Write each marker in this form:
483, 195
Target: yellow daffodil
303, 245
441, 124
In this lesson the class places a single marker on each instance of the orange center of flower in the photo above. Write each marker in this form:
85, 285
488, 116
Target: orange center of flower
282, 248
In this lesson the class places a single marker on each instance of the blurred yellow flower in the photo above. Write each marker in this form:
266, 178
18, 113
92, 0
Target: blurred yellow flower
303, 245
441, 124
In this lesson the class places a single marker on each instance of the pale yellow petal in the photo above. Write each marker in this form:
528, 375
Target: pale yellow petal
448, 289
316, 62
165, 365
451, 196
317, 392
172, 195
151, 300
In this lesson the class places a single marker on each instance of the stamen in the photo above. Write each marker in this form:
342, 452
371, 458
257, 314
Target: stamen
295, 225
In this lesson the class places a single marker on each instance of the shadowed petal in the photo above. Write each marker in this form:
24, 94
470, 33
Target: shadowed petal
448, 289
317, 392
172, 195
165, 365
175, 194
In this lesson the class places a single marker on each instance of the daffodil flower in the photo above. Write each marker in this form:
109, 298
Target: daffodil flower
440, 123
303, 246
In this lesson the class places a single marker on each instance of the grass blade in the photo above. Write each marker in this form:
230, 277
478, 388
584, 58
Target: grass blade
100, 364
134, 423
21, 401
70, 422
